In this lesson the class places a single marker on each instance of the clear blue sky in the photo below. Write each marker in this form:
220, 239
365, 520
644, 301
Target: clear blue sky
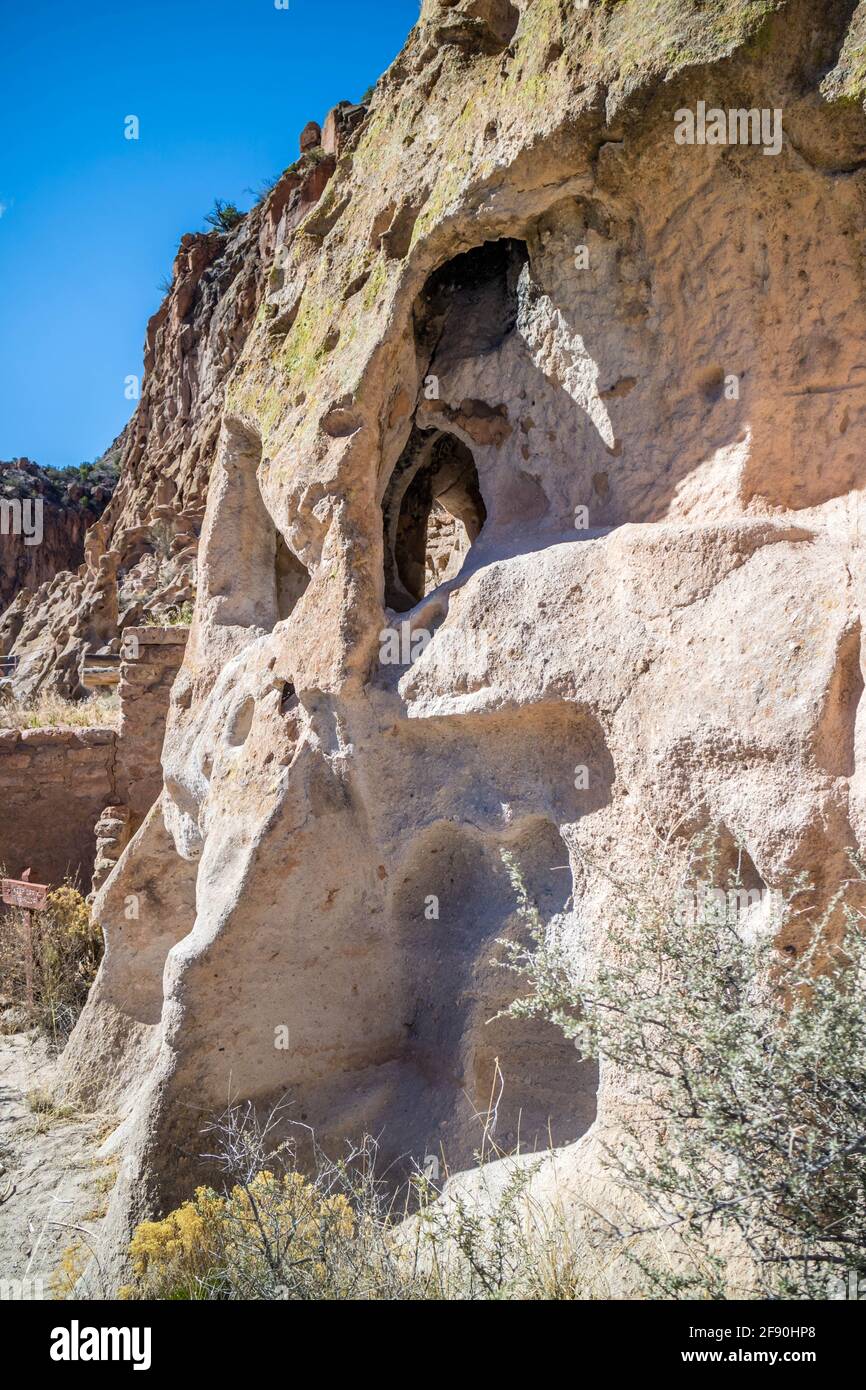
90, 221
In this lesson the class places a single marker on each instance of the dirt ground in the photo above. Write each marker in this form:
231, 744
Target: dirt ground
53, 1185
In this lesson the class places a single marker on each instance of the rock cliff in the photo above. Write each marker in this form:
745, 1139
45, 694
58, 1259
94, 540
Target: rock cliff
535, 453
139, 562
44, 515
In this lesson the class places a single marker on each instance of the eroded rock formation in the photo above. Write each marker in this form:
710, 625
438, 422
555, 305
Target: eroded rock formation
140, 560
623, 375
44, 516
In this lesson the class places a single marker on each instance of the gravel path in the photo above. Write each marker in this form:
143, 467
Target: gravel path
53, 1184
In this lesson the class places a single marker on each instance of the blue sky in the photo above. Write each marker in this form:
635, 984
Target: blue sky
90, 221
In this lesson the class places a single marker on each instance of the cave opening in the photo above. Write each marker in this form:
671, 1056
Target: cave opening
291, 579
468, 307
433, 512
433, 508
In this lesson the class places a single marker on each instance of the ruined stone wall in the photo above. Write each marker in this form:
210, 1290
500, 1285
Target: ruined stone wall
53, 785
152, 658
70, 799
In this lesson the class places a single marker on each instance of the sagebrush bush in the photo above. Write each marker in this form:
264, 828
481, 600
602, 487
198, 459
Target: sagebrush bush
67, 949
748, 1062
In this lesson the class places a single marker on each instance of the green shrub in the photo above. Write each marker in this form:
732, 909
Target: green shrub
749, 1065
225, 216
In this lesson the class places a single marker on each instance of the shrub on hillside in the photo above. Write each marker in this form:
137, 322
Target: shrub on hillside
748, 1059
225, 216
66, 951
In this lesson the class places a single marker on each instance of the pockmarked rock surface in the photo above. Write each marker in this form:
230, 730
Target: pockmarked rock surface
535, 523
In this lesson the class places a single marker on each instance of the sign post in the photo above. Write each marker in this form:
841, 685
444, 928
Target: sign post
29, 897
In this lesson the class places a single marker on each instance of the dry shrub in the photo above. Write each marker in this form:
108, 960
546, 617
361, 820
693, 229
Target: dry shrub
67, 948
748, 1056
341, 1233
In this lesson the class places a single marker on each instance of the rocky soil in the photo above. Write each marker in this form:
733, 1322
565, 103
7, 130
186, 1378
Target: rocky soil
53, 1183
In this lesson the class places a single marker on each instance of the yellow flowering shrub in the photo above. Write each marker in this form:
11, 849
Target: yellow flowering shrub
73, 1262
71, 913
278, 1229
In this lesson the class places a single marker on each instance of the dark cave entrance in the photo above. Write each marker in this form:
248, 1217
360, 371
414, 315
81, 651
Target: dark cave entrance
291, 579
469, 305
433, 511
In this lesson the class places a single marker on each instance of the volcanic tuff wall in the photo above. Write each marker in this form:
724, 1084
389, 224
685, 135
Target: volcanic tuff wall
626, 372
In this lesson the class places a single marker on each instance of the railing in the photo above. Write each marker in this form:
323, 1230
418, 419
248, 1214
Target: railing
8, 666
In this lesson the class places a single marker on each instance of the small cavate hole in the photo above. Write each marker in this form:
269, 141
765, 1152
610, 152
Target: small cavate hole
241, 723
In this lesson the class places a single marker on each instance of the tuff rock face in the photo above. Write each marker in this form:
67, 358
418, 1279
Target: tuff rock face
623, 377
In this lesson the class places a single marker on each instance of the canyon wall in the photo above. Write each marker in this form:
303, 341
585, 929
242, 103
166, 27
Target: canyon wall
533, 524
139, 561
43, 520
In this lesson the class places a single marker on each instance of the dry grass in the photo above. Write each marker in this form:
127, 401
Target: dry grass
49, 711
343, 1231
46, 1112
66, 951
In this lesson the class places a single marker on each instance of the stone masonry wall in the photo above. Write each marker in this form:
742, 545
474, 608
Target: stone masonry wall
53, 785
152, 657
70, 799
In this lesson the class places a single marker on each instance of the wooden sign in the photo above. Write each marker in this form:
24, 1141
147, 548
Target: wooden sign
19, 892
31, 897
